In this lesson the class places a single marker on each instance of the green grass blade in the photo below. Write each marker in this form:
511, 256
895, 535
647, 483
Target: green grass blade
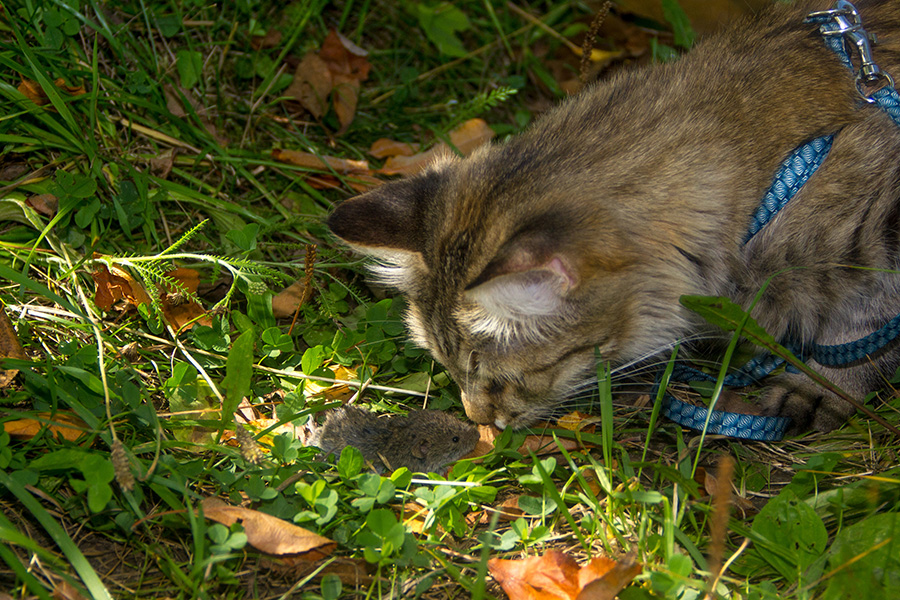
81, 565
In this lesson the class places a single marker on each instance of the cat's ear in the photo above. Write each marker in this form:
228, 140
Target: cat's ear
387, 218
529, 278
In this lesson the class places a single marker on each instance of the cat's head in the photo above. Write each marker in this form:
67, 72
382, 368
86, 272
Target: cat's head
516, 269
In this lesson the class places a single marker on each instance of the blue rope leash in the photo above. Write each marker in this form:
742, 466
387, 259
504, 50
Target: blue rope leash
789, 178
838, 26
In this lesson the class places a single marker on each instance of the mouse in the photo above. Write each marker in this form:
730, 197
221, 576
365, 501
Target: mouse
423, 441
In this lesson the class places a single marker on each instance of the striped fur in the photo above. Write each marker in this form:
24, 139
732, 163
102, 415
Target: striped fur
583, 231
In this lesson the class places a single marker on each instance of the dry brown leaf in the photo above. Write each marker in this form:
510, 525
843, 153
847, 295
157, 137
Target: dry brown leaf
270, 534
335, 391
320, 161
384, 148
413, 516
509, 509
175, 99
62, 423
345, 57
64, 590
335, 72
9, 347
246, 411
173, 102
271, 39
466, 138
161, 165
114, 284
312, 85
34, 92
542, 445
261, 424
576, 421
486, 436
556, 576
613, 581
285, 302
178, 308
345, 96
45, 204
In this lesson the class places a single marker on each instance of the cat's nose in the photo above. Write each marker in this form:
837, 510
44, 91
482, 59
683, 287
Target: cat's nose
478, 410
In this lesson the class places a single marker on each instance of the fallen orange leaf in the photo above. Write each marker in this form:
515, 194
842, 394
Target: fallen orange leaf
384, 147
556, 576
320, 162
114, 284
45, 204
285, 302
270, 534
34, 92
466, 138
336, 72
180, 309
311, 85
543, 445
576, 421
62, 423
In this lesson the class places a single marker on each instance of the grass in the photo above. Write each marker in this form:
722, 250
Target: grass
155, 151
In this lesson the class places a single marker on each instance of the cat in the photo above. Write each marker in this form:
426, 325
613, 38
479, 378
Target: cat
583, 232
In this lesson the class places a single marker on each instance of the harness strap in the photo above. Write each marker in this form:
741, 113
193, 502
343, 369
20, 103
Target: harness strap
838, 26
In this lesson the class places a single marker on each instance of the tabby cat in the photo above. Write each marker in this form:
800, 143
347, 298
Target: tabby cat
584, 231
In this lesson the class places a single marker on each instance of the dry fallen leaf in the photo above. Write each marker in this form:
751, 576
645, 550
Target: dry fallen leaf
62, 423
9, 347
556, 576
384, 148
486, 436
542, 445
270, 534
178, 308
63, 590
349, 66
176, 97
271, 39
466, 138
320, 161
311, 85
114, 284
45, 204
576, 421
161, 165
34, 92
285, 302
335, 391
334, 73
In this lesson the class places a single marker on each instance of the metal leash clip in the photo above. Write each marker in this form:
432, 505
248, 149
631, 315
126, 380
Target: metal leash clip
843, 21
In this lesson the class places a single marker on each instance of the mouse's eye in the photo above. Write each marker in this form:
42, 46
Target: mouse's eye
455, 439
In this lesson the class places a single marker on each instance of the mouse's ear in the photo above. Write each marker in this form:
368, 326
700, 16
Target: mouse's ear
420, 448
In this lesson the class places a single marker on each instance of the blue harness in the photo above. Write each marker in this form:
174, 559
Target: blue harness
840, 27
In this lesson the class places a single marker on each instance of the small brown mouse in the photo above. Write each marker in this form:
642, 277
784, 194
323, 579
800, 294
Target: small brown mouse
422, 441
